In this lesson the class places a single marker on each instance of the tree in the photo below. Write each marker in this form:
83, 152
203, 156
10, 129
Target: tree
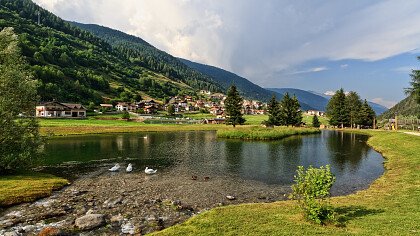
290, 113
125, 115
233, 107
353, 106
20, 142
312, 190
315, 121
337, 109
273, 110
415, 83
367, 115
171, 110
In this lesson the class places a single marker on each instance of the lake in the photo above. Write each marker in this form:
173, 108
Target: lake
200, 153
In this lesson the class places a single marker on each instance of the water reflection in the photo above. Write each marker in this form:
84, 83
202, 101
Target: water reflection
200, 153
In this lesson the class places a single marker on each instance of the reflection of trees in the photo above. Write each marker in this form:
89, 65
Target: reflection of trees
288, 157
234, 155
346, 149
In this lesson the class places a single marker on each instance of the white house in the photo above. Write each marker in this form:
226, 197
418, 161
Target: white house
57, 109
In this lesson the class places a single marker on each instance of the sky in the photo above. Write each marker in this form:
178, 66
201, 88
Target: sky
320, 45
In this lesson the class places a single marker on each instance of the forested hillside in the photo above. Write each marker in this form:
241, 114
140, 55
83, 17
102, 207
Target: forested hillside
74, 65
406, 107
141, 53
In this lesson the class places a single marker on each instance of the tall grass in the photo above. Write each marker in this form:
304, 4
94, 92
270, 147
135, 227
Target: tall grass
261, 133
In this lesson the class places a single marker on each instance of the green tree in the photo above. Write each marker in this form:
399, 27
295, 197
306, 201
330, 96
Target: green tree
20, 141
233, 107
367, 114
125, 115
337, 109
290, 113
171, 110
273, 110
415, 84
315, 121
312, 190
353, 106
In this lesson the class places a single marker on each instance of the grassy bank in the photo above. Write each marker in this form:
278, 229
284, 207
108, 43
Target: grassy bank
27, 187
390, 206
260, 133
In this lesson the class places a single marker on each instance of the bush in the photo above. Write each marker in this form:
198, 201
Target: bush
125, 115
312, 191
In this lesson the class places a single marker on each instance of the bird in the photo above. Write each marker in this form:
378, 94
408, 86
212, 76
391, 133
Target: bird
149, 171
115, 168
129, 168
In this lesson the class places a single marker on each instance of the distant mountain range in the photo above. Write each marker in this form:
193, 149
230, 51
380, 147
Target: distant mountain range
247, 88
318, 101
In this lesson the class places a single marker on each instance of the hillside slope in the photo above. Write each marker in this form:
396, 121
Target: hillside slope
406, 107
74, 65
141, 53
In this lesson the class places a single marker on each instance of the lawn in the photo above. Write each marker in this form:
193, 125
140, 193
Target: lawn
261, 133
390, 206
27, 187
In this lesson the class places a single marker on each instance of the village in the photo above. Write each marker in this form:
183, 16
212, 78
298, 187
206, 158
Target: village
176, 107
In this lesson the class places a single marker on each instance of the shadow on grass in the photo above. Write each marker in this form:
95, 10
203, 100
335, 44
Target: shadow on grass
347, 213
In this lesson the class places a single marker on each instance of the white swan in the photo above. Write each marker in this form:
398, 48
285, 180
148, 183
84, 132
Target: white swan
149, 171
115, 168
129, 168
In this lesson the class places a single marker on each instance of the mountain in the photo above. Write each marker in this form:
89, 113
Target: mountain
319, 101
247, 88
406, 107
74, 65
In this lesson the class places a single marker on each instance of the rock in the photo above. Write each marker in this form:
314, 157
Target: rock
230, 197
90, 212
117, 219
28, 228
50, 231
90, 221
13, 233
127, 228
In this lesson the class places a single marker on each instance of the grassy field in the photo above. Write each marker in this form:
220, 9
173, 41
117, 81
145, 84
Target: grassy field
390, 206
27, 187
260, 133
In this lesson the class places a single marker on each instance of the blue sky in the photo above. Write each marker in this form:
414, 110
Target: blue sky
319, 45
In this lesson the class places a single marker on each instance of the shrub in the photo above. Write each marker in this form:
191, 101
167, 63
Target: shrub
125, 115
312, 191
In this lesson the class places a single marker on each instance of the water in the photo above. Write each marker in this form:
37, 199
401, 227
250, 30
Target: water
274, 163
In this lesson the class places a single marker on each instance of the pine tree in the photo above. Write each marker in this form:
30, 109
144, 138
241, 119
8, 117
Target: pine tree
353, 106
367, 114
273, 110
290, 113
415, 83
315, 121
20, 142
337, 110
233, 107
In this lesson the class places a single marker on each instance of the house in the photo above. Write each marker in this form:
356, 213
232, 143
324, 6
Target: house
145, 103
124, 106
314, 112
151, 109
216, 110
56, 109
106, 107
214, 121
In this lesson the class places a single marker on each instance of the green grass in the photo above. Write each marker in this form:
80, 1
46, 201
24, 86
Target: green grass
390, 206
261, 133
307, 119
20, 188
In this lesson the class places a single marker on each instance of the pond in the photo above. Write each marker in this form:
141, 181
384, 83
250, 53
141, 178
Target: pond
200, 153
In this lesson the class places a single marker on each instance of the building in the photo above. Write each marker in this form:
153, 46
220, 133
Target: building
56, 109
124, 106
314, 112
106, 107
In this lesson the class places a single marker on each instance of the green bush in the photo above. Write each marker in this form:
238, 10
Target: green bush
125, 115
312, 191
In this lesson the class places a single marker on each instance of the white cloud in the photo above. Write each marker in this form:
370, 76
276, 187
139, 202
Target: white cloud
384, 102
315, 69
329, 93
344, 66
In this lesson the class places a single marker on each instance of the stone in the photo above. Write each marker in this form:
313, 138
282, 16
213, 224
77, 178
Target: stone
13, 233
50, 231
127, 228
90, 221
28, 228
230, 197
117, 218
